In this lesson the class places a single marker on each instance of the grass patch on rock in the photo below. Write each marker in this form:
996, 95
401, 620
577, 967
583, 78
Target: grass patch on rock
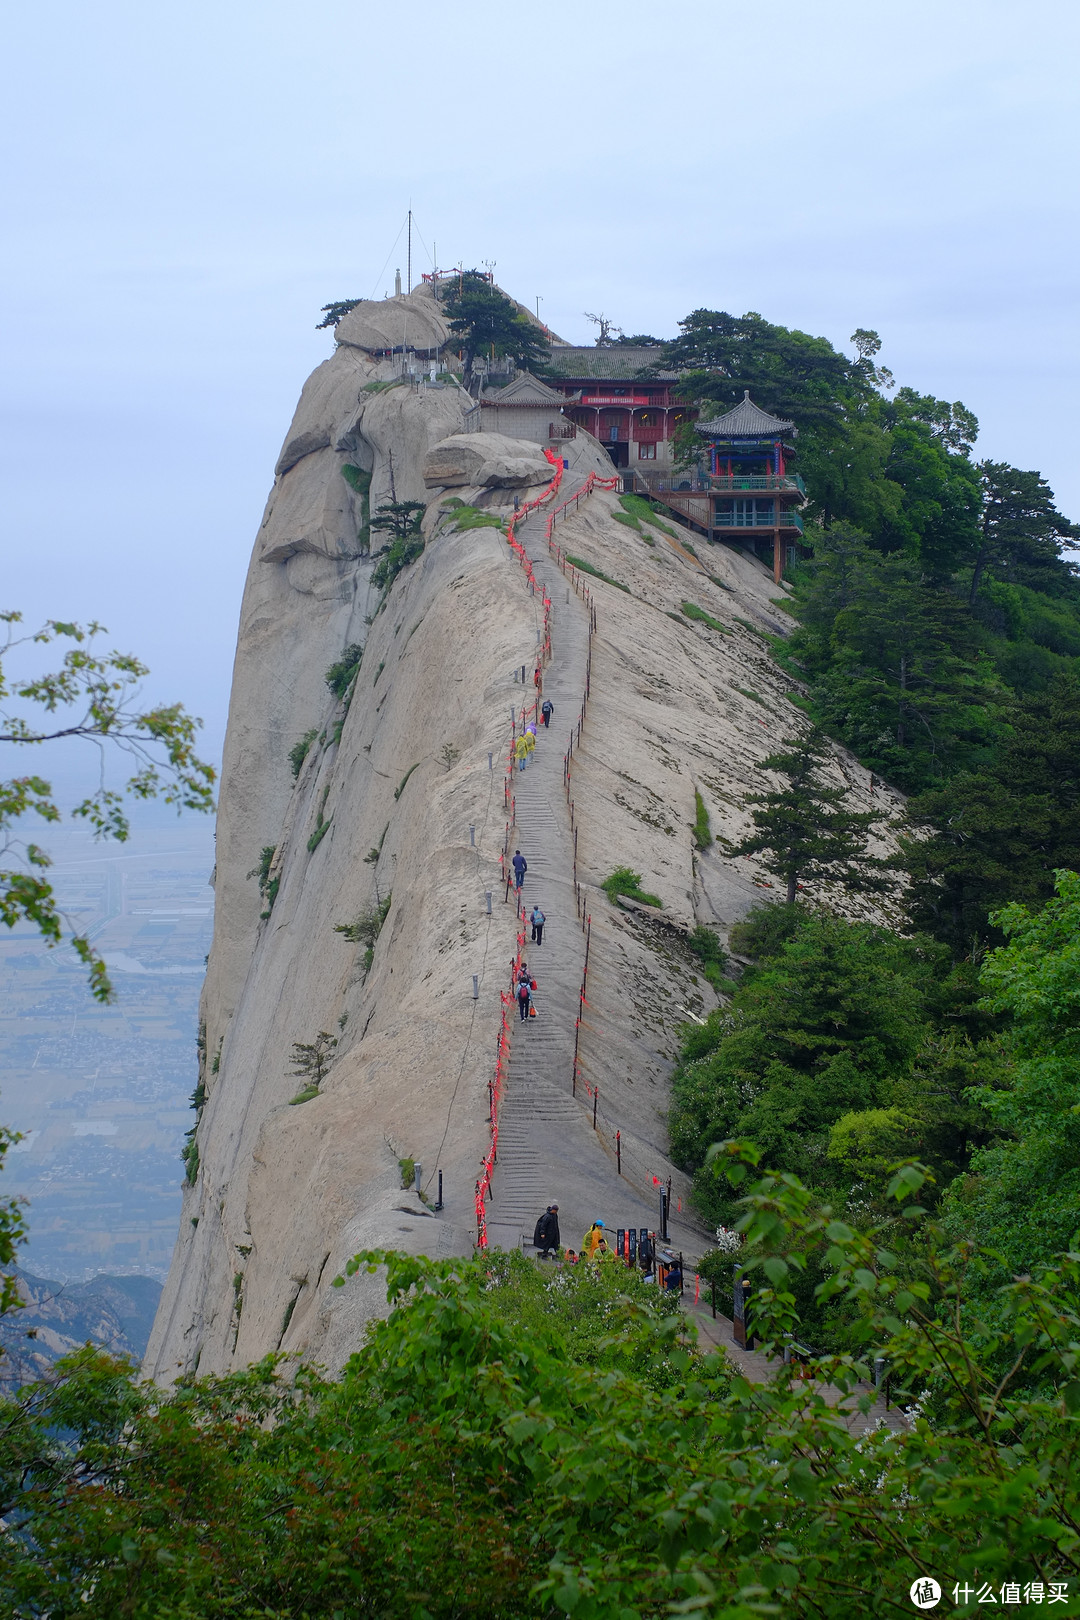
472, 517
597, 573
627, 883
702, 831
692, 611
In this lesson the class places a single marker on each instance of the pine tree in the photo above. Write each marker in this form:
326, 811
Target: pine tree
999, 834
804, 830
486, 321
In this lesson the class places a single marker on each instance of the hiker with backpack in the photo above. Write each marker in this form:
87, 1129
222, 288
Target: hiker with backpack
547, 709
524, 996
536, 922
546, 1235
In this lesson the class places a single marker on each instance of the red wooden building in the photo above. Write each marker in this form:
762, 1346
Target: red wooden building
619, 395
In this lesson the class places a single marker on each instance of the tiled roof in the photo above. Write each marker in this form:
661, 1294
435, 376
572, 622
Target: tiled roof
746, 421
524, 390
619, 364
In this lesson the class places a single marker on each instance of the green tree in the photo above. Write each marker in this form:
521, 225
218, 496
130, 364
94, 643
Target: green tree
834, 1019
818, 1031
988, 836
803, 829
1022, 1198
1021, 533
487, 322
501, 1449
333, 313
314, 1058
93, 695
896, 664
401, 521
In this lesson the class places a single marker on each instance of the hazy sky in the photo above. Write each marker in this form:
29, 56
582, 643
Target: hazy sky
185, 185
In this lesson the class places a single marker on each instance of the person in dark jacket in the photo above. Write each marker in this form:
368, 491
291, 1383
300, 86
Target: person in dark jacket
521, 866
546, 1236
547, 709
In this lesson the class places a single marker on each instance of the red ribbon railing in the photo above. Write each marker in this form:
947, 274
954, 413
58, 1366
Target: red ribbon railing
495, 1088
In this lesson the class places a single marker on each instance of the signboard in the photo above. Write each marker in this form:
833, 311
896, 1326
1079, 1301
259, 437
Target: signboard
616, 399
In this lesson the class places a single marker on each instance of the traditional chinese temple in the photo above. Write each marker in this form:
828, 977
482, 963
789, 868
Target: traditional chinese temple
622, 398
747, 492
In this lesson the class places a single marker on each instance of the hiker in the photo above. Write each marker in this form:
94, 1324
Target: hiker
521, 866
547, 709
521, 752
591, 1239
646, 1255
673, 1282
524, 996
529, 739
536, 922
546, 1235
571, 1258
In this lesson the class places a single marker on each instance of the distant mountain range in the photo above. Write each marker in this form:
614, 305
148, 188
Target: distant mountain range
113, 1312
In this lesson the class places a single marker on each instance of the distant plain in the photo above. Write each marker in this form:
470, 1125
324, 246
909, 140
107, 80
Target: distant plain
102, 1094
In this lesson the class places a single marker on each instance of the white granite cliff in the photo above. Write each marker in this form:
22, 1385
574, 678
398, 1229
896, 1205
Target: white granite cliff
283, 1195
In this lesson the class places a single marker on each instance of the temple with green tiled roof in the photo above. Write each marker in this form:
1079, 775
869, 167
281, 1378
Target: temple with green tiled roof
622, 396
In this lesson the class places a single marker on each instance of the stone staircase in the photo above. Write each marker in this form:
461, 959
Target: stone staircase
548, 1151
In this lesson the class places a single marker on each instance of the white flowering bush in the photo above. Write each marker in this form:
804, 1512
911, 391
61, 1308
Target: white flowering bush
727, 1240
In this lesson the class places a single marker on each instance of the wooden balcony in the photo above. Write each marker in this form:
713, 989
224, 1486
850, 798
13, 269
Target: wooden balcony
722, 482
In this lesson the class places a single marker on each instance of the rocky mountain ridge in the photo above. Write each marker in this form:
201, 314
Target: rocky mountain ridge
399, 803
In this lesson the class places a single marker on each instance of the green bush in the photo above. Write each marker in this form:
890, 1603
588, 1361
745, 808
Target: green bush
268, 887
624, 881
299, 751
399, 555
304, 1096
360, 482
366, 928
339, 676
321, 827
705, 945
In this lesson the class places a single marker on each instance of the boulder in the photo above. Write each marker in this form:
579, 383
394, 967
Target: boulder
485, 461
413, 321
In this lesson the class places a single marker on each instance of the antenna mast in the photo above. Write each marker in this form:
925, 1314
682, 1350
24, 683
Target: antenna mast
408, 262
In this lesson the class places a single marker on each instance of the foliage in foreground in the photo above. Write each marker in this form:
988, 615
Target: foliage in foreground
93, 695
517, 1441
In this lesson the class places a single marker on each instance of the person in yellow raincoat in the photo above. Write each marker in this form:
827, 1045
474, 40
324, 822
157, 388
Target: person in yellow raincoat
529, 739
591, 1239
521, 751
